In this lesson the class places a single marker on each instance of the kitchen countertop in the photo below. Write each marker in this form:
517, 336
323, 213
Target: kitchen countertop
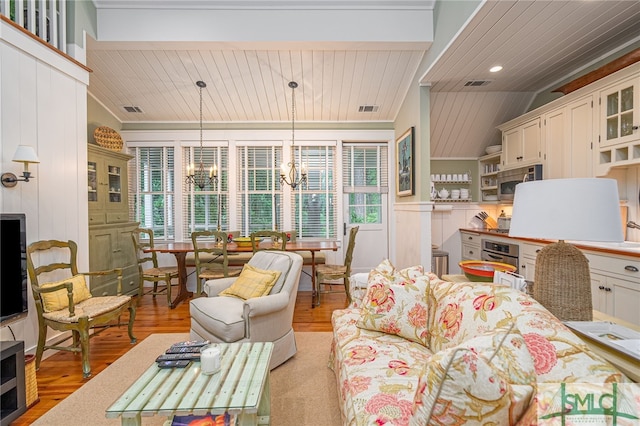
626, 248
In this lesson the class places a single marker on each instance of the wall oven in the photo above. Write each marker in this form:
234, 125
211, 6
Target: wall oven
497, 251
508, 179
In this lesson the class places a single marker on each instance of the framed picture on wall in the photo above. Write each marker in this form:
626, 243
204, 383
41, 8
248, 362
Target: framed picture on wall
405, 153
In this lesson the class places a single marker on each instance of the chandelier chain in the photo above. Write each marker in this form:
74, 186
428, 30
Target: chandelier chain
199, 176
291, 175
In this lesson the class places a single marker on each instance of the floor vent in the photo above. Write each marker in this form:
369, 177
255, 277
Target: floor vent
368, 108
477, 83
132, 109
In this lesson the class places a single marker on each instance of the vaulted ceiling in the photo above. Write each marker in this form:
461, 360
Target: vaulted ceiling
538, 43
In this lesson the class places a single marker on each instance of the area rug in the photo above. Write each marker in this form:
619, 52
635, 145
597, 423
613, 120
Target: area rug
303, 389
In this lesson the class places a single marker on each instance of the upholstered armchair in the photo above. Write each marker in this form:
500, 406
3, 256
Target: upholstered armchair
267, 318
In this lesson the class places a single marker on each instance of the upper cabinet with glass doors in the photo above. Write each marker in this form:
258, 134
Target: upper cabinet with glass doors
620, 113
107, 186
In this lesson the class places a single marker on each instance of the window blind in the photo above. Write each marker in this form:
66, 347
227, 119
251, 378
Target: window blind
259, 197
365, 176
151, 184
315, 207
207, 208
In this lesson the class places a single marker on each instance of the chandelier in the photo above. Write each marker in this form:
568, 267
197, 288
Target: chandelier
198, 175
289, 172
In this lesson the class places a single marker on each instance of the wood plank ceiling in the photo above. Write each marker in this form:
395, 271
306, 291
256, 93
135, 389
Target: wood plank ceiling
538, 42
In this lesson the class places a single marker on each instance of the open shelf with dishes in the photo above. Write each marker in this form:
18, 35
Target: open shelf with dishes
451, 188
489, 167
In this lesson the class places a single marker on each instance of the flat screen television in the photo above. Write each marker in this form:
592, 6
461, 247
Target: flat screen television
13, 267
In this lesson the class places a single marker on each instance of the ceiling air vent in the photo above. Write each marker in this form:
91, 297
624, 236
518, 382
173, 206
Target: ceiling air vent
368, 108
477, 83
132, 109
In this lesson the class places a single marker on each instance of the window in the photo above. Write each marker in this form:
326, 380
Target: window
315, 207
259, 197
151, 185
207, 208
364, 171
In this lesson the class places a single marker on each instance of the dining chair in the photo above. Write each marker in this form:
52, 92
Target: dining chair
211, 257
64, 303
329, 272
278, 239
148, 268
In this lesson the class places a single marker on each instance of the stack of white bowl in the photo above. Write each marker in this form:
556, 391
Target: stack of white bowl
455, 194
464, 193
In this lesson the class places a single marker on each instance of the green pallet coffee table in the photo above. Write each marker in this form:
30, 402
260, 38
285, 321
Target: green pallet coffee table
240, 388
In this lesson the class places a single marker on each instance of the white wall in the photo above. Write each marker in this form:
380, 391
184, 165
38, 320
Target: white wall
43, 103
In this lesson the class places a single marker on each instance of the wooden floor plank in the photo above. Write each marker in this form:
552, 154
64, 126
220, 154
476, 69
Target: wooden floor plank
61, 373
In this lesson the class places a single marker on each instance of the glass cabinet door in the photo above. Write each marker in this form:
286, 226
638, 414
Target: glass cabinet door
115, 184
619, 109
92, 181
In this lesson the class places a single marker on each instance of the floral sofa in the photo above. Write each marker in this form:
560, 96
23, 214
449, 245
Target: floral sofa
418, 350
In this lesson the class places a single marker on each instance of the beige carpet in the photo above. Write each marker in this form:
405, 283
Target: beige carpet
303, 390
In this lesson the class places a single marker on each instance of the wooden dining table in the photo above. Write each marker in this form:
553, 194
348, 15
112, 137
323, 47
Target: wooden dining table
180, 250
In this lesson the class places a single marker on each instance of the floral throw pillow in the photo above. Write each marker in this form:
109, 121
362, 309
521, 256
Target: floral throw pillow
489, 379
396, 303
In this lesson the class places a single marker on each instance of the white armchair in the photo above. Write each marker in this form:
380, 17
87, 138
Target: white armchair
227, 319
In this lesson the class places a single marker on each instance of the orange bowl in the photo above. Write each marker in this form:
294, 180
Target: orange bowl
480, 270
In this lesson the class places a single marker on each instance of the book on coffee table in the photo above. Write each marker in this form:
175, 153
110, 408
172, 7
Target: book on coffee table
225, 419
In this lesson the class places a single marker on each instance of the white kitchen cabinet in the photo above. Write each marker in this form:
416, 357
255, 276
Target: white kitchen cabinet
580, 127
620, 112
528, 254
471, 245
555, 141
568, 140
615, 285
521, 145
601, 294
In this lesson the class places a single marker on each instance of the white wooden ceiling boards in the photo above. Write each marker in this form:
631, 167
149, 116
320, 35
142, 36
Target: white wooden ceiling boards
345, 55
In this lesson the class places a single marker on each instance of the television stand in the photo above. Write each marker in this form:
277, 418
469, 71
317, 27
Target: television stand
12, 385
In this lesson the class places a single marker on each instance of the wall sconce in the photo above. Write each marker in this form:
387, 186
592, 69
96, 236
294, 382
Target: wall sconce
24, 154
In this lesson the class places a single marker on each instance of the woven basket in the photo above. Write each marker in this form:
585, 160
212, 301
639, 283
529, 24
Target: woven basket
31, 382
108, 138
562, 283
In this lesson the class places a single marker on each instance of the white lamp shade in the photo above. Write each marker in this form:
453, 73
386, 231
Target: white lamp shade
25, 154
586, 209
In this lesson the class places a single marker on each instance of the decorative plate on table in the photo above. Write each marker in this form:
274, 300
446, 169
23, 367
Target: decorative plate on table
108, 138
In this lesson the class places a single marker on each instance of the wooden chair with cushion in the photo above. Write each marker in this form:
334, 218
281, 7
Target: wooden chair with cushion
328, 272
142, 239
278, 239
63, 300
212, 259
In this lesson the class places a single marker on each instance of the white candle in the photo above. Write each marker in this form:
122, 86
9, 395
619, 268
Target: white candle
210, 360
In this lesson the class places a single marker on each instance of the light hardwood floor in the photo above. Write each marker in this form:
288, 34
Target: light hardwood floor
61, 373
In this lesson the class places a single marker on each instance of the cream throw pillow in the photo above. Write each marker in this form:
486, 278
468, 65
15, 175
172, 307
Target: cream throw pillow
252, 282
57, 300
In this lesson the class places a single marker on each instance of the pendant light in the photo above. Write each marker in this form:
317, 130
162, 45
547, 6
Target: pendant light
200, 176
289, 172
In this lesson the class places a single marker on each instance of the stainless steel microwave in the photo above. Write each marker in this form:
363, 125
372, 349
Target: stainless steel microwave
508, 179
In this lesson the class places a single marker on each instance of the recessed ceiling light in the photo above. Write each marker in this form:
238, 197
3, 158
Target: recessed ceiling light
496, 68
